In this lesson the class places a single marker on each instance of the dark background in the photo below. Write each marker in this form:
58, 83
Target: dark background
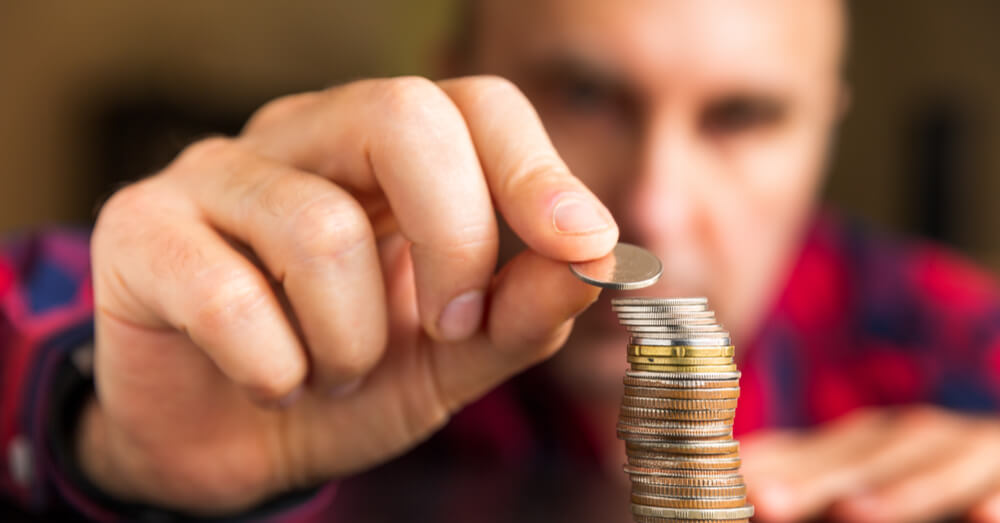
95, 93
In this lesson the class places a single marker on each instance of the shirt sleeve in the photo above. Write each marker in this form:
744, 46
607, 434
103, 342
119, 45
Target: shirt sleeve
46, 339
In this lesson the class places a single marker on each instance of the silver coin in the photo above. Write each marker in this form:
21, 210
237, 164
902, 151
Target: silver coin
678, 309
673, 380
699, 341
626, 267
679, 316
636, 300
694, 513
698, 330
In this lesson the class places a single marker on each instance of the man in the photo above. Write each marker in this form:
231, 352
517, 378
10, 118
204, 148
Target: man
316, 297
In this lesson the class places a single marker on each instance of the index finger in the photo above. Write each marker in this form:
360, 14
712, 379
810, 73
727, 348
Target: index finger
549, 208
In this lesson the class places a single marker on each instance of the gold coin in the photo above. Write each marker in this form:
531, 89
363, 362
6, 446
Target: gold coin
680, 415
675, 502
684, 368
689, 492
681, 351
687, 394
677, 404
666, 360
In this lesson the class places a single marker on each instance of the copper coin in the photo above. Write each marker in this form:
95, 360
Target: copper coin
680, 415
653, 519
683, 394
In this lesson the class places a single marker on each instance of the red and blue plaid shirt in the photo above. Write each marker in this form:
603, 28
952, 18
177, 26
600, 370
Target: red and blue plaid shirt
863, 320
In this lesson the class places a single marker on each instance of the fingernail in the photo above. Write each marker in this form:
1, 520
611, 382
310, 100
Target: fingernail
577, 215
462, 316
344, 389
290, 398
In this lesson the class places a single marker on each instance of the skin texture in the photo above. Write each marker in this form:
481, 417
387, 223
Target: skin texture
317, 295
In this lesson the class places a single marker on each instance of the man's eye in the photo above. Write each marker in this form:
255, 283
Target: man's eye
741, 114
584, 95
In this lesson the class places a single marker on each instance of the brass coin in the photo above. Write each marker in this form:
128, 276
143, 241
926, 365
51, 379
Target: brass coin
685, 447
675, 502
675, 464
688, 394
680, 351
742, 512
684, 368
686, 361
693, 479
689, 492
677, 404
679, 415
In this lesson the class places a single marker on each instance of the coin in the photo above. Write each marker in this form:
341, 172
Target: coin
664, 340
694, 513
679, 415
685, 447
677, 404
675, 316
679, 464
686, 360
680, 351
680, 376
689, 492
627, 266
685, 478
676, 502
685, 368
653, 519
651, 302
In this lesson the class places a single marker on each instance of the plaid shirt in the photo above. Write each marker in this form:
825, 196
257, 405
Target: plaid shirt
862, 320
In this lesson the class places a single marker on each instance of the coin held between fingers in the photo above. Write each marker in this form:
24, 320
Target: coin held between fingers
626, 267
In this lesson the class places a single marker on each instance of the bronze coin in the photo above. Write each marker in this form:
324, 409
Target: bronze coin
679, 393
678, 415
689, 492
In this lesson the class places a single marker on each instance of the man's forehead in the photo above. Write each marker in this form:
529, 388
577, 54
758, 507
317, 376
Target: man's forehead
662, 38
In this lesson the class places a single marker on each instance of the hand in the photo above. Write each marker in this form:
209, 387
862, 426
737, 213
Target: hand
318, 295
911, 464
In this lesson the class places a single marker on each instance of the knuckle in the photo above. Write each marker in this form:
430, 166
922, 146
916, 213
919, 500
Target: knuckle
522, 174
225, 298
355, 358
489, 87
413, 97
330, 225
279, 110
202, 151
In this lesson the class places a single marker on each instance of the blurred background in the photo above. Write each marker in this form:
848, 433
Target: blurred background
96, 93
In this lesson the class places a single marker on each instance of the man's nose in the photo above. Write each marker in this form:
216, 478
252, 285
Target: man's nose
659, 205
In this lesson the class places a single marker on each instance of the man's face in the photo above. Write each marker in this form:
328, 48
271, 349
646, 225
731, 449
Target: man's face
703, 126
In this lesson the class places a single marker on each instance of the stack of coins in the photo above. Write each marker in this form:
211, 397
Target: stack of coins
677, 413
